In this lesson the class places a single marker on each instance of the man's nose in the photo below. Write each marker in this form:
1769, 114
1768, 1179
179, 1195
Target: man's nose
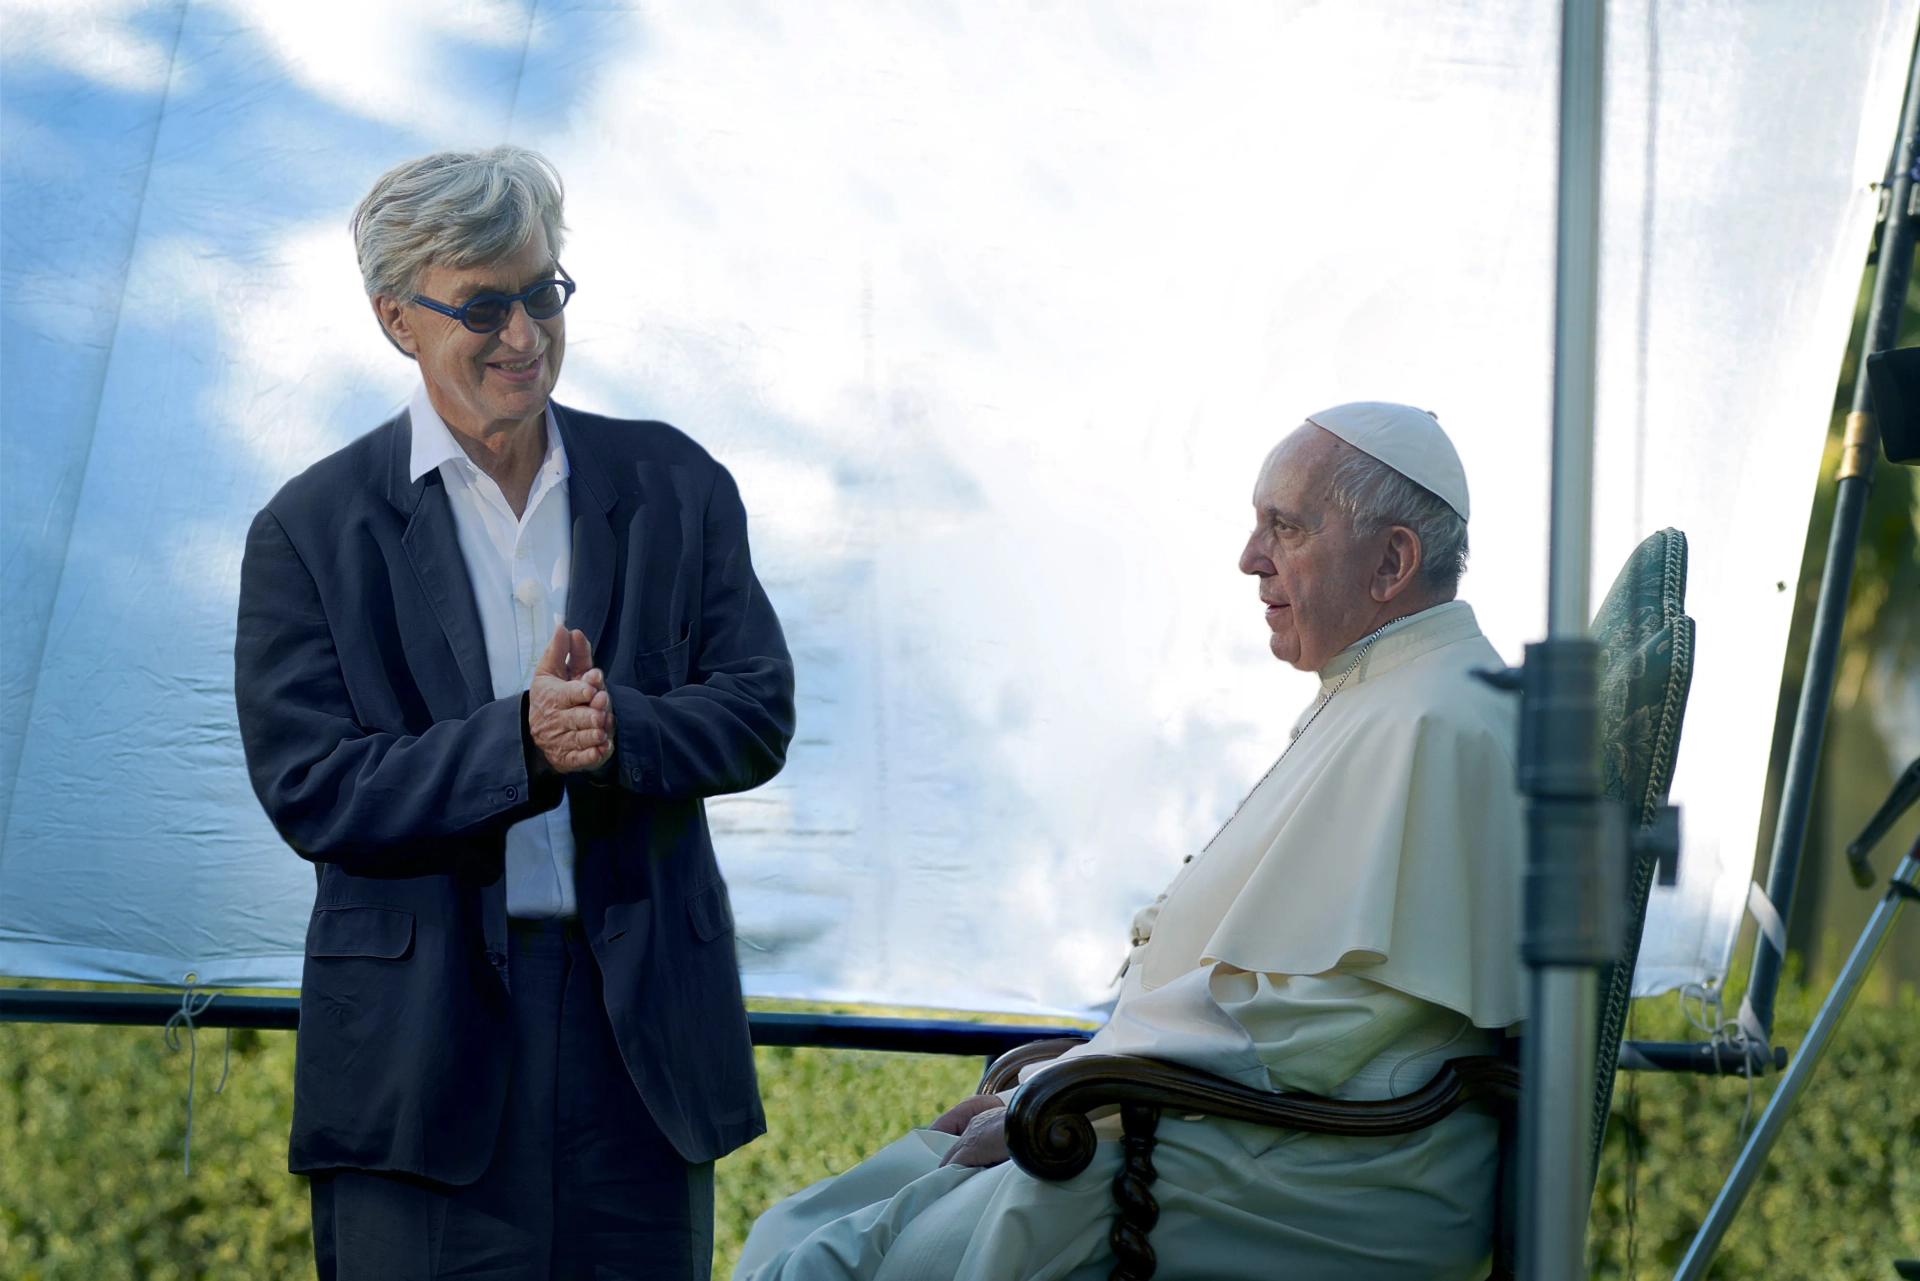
1253, 560
520, 333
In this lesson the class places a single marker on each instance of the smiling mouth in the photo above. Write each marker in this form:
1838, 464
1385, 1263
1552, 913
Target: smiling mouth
517, 367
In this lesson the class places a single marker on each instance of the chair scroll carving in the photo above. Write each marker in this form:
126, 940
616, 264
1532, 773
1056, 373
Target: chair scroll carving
1003, 1073
1051, 1137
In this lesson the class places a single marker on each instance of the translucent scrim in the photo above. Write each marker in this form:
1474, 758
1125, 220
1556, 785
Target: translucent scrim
993, 311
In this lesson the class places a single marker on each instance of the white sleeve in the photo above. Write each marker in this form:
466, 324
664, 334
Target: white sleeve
1314, 1031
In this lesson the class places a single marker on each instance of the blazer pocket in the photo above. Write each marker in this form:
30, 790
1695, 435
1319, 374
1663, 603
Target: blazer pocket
709, 912
382, 932
660, 670
624, 920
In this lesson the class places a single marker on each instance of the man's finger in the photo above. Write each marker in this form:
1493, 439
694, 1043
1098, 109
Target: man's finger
554, 661
954, 1120
568, 762
566, 720
579, 654
561, 693
982, 1143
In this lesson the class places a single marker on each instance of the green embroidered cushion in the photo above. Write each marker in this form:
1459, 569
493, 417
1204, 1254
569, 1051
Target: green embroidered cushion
1646, 668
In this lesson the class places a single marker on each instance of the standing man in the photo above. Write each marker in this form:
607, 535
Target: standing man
490, 659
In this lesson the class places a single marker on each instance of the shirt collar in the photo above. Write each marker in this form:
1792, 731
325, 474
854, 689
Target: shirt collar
433, 442
1403, 639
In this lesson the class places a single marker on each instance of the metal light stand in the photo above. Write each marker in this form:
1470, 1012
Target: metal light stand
1855, 475
1900, 889
1576, 840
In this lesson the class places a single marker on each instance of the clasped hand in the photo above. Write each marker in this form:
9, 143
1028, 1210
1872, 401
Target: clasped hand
981, 1123
568, 711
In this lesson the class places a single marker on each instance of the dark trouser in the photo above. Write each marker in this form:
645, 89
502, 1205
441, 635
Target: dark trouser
582, 1183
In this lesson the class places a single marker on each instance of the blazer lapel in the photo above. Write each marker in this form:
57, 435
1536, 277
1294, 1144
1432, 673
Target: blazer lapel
433, 546
590, 587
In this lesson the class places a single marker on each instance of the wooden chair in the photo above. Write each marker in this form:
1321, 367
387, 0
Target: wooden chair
1646, 642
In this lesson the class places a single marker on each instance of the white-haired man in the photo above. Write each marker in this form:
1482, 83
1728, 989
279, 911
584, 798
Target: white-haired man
490, 658
1352, 927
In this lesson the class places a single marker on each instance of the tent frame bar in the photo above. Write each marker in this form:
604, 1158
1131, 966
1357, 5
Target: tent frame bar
769, 1027
142, 1008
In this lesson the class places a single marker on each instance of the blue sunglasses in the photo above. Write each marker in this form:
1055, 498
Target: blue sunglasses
487, 313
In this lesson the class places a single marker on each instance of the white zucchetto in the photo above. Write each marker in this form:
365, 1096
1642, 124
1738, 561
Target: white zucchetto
1406, 439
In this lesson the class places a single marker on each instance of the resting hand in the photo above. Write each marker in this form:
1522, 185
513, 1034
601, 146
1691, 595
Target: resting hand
954, 1119
568, 710
983, 1142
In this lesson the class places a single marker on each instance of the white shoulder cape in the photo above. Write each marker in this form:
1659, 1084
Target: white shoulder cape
1387, 841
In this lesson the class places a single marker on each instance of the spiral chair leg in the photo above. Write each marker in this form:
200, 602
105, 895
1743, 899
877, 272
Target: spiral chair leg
1133, 1195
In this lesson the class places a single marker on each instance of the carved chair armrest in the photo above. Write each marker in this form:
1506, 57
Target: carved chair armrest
1004, 1072
1050, 1137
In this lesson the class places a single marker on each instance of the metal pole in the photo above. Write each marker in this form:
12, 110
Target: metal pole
1576, 319
1855, 474
1754, 1156
1573, 887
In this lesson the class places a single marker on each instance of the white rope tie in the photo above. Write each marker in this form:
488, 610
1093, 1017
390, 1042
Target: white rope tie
1734, 1036
194, 1003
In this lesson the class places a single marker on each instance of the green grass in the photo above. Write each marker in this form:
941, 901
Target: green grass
91, 1185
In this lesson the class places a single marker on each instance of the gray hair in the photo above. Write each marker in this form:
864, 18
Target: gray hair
1374, 497
455, 208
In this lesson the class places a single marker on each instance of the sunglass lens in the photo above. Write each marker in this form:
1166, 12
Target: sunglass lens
484, 315
545, 302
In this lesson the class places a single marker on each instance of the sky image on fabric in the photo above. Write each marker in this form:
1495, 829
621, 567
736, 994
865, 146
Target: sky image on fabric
993, 311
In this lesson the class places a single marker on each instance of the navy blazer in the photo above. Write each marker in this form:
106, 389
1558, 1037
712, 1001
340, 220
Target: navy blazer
379, 752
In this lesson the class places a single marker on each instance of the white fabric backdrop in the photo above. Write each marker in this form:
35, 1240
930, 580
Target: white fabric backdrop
993, 310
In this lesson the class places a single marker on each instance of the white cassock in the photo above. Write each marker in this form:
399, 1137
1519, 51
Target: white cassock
1354, 925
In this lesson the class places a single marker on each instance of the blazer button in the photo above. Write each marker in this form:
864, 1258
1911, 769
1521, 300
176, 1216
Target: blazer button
513, 793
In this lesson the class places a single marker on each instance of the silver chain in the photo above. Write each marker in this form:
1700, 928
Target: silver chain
1366, 644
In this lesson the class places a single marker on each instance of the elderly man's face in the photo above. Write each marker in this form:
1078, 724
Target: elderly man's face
484, 383
1317, 579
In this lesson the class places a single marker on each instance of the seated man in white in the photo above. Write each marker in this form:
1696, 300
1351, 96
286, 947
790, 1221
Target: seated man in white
1353, 926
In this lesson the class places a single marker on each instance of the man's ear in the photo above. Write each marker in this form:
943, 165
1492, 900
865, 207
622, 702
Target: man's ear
1399, 564
393, 323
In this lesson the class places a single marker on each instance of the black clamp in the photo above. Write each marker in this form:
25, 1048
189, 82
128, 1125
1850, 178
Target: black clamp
1659, 839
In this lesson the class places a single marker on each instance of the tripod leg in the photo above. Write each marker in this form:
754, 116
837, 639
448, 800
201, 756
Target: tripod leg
1754, 1155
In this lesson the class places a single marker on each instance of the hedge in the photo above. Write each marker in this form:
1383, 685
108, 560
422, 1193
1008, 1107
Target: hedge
91, 1121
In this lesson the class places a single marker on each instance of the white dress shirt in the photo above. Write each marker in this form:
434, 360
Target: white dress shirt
519, 568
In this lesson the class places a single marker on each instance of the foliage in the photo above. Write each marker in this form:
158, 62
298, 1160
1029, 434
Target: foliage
91, 1121
1840, 1196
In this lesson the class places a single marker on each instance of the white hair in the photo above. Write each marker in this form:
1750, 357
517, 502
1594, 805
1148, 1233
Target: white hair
457, 209
1374, 497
